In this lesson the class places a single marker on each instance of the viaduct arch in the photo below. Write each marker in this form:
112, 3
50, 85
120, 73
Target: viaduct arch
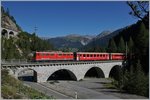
7, 33
76, 70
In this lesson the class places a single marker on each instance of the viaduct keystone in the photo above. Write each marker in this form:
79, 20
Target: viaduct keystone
77, 70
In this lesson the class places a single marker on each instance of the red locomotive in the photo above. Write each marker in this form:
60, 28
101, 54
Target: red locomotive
46, 56
77, 56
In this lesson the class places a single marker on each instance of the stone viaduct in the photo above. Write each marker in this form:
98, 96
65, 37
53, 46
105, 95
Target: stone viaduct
7, 33
76, 70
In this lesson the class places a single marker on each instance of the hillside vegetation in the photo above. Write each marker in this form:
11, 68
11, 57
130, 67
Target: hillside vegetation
12, 88
22, 46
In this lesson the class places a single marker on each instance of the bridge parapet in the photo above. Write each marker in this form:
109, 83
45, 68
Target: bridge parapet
25, 62
13, 61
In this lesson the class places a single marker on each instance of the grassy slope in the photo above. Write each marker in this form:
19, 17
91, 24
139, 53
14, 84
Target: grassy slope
14, 89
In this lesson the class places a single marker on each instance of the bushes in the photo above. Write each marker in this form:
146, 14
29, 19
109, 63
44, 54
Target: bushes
137, 82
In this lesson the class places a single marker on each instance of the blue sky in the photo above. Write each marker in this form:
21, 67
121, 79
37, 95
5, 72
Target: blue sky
70, 17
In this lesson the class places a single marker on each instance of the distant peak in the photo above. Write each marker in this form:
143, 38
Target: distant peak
103, 33
72, 35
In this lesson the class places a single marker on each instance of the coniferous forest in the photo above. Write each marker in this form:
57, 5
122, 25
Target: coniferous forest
134, 76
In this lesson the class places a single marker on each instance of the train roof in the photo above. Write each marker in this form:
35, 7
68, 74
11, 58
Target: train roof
92, 53
117, 53
55, 52
97, 53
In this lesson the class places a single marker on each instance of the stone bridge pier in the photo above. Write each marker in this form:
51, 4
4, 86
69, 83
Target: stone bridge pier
77, 70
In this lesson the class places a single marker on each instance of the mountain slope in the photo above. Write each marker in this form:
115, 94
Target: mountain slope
8, 21
70, 41
102, 39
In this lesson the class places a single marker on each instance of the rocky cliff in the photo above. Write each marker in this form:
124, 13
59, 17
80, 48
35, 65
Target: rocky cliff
8, 21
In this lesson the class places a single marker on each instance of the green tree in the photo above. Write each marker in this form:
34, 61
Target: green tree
140, 80
7, 12
112, 46
131, 45
136, 81
121, 46
142, 39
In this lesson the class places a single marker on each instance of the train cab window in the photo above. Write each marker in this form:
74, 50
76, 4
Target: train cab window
37, 54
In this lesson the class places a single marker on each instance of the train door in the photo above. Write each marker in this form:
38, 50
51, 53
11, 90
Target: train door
110, 56
75, 56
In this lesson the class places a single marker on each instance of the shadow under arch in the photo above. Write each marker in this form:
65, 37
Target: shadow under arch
28, 75
11, 33
4, 32
62, 74
115, 72
95, 72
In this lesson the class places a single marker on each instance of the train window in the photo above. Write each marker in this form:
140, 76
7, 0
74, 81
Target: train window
100, 55
60, 54
80, 55
51, 54
39, 54
87, 55
83, 55
94, 55
42, 54
47, 54
91, 55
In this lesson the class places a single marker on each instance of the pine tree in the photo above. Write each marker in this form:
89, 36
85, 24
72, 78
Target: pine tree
121, 45
112, 46
7, 12
140, 86
131, 45
142, 39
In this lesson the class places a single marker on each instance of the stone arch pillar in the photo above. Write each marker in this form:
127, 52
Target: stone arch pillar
4, 32
11, 33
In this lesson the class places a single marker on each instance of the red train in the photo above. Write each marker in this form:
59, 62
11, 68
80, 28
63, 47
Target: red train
77, 56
